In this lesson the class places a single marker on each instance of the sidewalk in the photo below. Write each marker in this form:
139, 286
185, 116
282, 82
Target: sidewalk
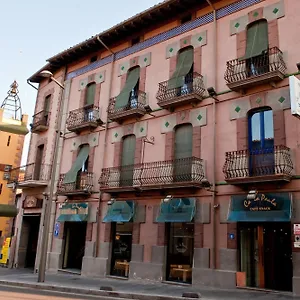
126, 289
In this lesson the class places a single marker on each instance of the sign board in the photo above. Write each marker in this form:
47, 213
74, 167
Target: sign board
295, 95
296, 244
5, 251
56, 229
297, 229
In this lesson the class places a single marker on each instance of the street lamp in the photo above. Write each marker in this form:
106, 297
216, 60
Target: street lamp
48, 74
49, 197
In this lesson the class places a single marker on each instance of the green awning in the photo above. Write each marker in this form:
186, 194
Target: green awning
120, 211
177, 210
74, 212
184, 64
257, 39
15, 129
8, 210
276, 207
131, 81
83, 154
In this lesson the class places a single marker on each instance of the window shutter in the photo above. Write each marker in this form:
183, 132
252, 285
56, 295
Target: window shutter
257, 39
83, 154
128, 150
128, 153
90, 94
131, 81
184, 141
184, 64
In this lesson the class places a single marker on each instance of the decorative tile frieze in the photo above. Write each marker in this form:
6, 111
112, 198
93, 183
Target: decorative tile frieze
240, 108
239, 24
168, 123
274, 11
98, 78
199, 117
270, 12
279, 99
139, 129
197, 40
91, 139
117, 134
142, 61
82, 84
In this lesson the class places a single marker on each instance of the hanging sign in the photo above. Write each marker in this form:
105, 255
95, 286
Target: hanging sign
56, 229
295, 95
261, 203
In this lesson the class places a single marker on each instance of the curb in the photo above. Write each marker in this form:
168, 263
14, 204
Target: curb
92, 292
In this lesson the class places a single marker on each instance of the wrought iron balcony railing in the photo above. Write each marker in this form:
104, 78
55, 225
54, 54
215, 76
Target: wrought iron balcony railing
83, 185
271, 164
30, 175
155, 175
40, 121
83, 118
243, 73
192, 91
134, 108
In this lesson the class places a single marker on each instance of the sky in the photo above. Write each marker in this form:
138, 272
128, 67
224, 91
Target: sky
32, 31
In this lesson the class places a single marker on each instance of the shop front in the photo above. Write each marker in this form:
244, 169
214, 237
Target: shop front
120, 214
75, 217
178, 214
264, 240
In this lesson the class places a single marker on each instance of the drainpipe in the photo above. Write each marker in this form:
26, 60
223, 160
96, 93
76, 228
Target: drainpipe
105, 139
32, 85
214, 215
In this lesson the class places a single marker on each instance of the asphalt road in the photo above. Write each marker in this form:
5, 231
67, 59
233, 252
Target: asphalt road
15, 293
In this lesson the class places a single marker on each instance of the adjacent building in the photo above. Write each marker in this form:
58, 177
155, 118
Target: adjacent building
11, 147
178, 156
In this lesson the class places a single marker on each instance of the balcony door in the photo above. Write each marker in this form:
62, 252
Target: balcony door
183, 151
261, 143
46, 110
38, 163
82, 175
127, 161
89, 102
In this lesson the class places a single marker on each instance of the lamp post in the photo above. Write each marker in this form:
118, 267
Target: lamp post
49, 197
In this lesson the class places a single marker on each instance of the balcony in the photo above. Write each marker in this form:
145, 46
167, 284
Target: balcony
273, 164
191, 92
186, 172
30, 176
266, 68
83, 186
40, 122
136, 108
84, 118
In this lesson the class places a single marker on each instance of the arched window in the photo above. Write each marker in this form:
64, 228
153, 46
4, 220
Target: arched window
127, 160
261, 142
90, 94
182, 78
129, 94
257, 48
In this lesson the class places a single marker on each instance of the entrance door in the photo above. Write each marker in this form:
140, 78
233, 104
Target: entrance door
266, 255
180, 252
261, 143
28, 241
121, 251
75, 234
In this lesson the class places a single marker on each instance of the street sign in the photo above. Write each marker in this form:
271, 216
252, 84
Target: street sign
295, 95
297, 229
56, 229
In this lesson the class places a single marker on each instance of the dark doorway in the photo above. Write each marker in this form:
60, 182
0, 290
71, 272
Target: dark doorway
75, 235
180, 252
121, 250
266, 255
30, 233
38, 163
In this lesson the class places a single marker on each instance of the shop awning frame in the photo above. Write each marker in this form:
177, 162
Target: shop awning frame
120, 212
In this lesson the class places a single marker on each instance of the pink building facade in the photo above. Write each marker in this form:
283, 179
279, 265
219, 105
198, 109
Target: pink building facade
178, 151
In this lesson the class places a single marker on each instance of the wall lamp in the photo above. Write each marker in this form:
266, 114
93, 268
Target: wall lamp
252, 194
111, 201
212, 93
168, 198
298, 66
48, 74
